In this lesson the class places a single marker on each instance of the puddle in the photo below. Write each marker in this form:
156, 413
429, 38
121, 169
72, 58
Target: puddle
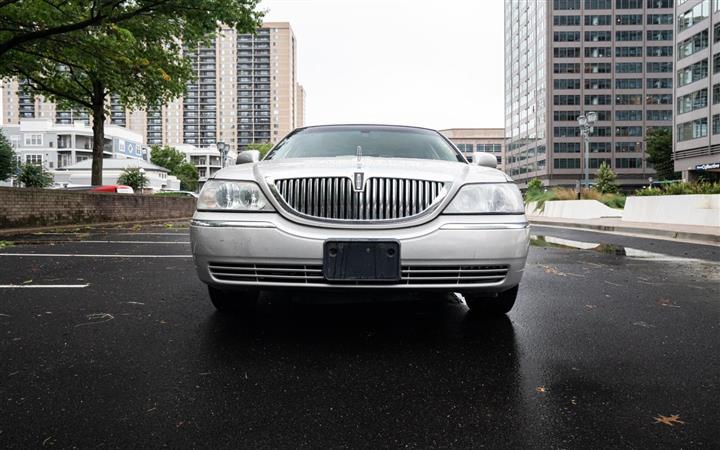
611, 249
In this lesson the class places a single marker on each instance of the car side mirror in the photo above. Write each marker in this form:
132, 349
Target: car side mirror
248, 156
485, 160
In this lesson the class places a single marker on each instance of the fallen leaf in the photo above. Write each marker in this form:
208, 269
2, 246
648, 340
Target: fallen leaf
669, 420
27, 281
667, 302
591, 306
541, 389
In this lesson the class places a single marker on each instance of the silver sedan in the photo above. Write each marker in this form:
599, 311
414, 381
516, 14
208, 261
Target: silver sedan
352, 207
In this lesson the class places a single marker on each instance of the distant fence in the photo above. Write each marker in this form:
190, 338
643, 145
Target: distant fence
20, 208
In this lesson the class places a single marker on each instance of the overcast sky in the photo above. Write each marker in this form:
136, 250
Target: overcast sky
431, 63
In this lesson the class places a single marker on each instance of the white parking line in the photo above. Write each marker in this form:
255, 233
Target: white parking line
67, 255
114, 242
35, 286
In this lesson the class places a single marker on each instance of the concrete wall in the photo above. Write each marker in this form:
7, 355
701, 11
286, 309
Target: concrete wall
703, 210
21, 208
572, 209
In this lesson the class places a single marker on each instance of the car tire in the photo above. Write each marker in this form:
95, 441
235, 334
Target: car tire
232, 301
501, 303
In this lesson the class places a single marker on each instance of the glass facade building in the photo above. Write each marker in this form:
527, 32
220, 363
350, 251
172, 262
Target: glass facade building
564, 58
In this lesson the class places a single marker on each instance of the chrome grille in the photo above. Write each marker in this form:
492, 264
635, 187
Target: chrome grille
381, 199
453, 274
313, 274
265, 273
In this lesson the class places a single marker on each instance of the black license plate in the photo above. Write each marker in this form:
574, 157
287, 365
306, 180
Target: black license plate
361, 260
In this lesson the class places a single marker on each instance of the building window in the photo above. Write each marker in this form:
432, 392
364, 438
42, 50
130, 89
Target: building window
696, 14
566, 147
35, 160
596, 162
628, 67
692, 130
659, 83
629, 115
598, 83
664, 50
566, 83
566, 52
628, 99
566, 21
659, 99
628, 163
628, 131
692, 101
598, 52
629, 19
600, 147
693, 73
593, 20
659, 67
564, 5
566, 131
598, 4
659, 35
659, 19
566, 68
627, 147
628, 4
598, 100
716, 94
664, 4
598, 67
716, 124
566, 163
566, 36
659, 114
628, 52
566, 99
693, 44
629, 35
33, 140
628, 83
598, 36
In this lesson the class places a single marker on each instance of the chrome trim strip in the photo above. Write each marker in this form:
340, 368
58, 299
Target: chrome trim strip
485, 226
232, 224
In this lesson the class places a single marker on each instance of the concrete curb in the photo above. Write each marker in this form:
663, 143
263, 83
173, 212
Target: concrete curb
668, 234
18, 231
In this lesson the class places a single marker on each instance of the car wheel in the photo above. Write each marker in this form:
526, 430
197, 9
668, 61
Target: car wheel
501, 303
233, 300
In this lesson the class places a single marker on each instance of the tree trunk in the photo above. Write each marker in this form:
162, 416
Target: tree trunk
98, 126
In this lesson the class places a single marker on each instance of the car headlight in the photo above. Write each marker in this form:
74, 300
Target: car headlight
233, 196
504, 198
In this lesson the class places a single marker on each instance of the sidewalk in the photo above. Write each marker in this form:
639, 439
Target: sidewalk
661, 230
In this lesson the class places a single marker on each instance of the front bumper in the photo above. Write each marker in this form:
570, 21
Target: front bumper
267, 251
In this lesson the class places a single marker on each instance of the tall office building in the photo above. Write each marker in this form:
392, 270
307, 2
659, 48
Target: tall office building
564, 58
245, 91
697, 89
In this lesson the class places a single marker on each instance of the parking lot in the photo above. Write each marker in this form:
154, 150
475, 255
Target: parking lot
108, 339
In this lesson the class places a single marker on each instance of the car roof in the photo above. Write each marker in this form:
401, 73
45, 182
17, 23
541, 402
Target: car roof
367, 125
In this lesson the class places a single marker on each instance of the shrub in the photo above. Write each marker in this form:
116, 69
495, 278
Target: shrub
33, 176
680, 189
134, 178
535, 185
606, 180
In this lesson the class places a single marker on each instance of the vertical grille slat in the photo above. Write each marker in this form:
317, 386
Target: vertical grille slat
336, 198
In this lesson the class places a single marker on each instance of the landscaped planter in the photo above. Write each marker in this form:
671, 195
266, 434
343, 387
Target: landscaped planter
698, 209
572, 209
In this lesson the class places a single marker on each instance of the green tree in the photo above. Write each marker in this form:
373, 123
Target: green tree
659, 150
167, 157
133, 177
605, 181
188, 176
141, 60
7, 158
262, 147
34, 176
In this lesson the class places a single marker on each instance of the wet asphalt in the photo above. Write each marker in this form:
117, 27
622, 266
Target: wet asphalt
611, 346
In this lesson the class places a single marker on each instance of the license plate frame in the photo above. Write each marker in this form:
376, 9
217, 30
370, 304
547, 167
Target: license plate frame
353, 260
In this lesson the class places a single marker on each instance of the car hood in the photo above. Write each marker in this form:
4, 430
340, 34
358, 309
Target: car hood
422, 169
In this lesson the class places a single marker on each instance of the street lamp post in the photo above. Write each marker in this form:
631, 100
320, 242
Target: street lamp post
586, 123
223, 149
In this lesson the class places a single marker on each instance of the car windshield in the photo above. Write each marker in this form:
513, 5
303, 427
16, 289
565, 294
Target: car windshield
382, 142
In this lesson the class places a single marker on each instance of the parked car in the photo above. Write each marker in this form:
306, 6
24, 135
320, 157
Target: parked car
353, 207
118, 188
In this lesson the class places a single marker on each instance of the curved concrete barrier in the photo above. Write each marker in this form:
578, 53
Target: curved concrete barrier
697, 209
573, 209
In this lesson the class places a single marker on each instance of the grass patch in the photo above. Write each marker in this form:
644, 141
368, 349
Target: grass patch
6, 244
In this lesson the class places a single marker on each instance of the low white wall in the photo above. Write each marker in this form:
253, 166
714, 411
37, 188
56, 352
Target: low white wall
573, 209
701, 210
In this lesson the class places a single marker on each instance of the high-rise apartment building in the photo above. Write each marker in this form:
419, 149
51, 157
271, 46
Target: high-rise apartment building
245, 91
696, 140
564, 58
471, 141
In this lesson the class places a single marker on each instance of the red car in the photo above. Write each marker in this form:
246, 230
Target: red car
118, 188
